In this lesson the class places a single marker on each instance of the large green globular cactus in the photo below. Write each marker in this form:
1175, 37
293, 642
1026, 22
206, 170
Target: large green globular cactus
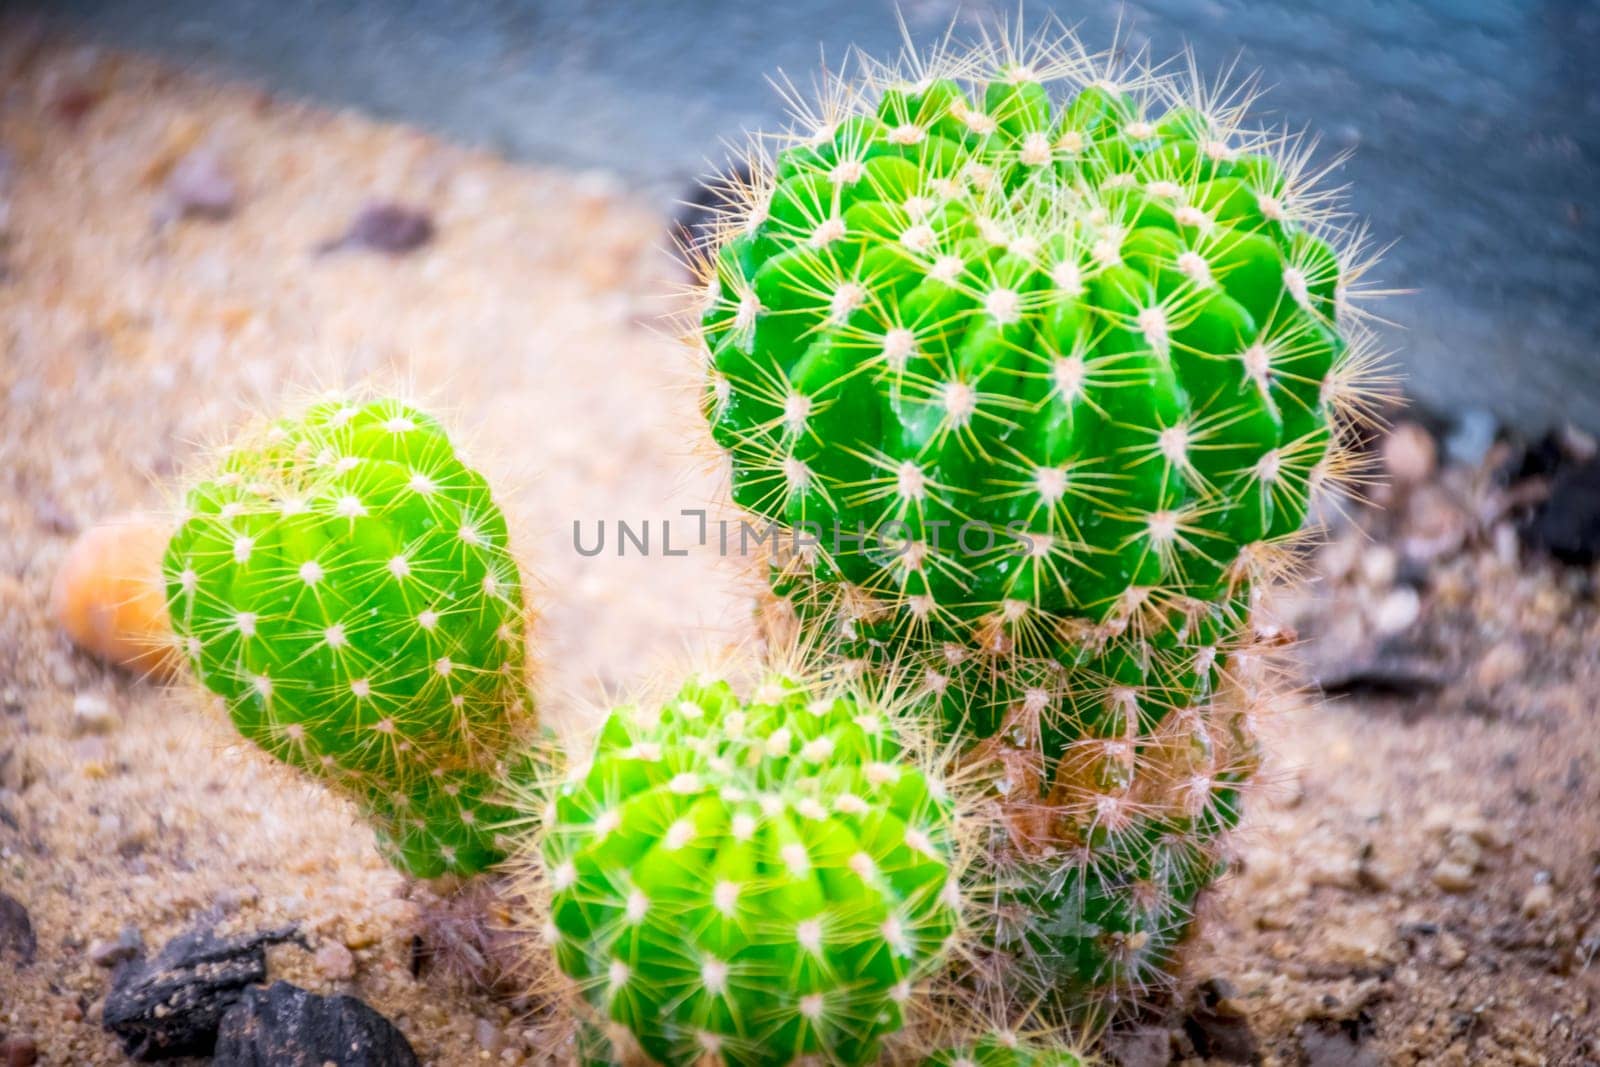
344, 582
1040, 364
761, 881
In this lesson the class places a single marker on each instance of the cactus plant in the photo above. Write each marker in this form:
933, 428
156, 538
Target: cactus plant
760, 880
1040, 363
1004, 1049
343, 581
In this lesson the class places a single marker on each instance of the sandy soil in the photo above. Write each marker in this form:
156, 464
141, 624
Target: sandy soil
1419, 886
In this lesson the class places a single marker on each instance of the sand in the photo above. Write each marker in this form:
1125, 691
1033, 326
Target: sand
1388, 905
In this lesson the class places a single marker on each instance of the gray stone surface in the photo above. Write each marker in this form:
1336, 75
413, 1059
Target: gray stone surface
1475, 123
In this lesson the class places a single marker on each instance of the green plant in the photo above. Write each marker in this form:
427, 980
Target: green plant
343, 581
1040, 363
761, 881
1003, 1049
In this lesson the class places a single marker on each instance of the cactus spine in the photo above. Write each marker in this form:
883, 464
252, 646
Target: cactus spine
1004, 1050
759, 881
343, 581
1046, 359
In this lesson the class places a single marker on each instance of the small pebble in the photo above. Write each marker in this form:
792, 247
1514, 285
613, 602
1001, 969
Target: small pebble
335, 962
1409, 454
128, 944
1379, 564
236, 897
1454, 876
1360, 939
1397, 611
488, 1035
19, 1051
92, 714
201, 187
1538, 900
1501, 664
386, 227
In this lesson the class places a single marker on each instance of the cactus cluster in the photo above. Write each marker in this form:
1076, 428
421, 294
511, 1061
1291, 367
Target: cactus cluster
1041, 362
758, 881
343, 581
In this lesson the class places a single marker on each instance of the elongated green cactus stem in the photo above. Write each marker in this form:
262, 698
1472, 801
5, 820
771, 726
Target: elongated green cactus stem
345, 584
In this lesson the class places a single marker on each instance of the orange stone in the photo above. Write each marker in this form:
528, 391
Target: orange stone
108, 594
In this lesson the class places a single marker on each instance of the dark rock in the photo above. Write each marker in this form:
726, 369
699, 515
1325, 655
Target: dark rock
1145, 1046
16, 929
1567, 524
171, 1006
1384, 674
73, 102
1323, 1045
19, 1051
386, 227
286, 1026
1217, 1029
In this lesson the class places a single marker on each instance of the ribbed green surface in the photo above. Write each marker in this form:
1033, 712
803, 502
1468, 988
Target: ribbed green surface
1090, 326
764, 880
1047, 370
344, 583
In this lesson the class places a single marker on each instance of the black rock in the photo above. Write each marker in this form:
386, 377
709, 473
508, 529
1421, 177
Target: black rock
285, 1026
1386, 673
16, 929
1567, 524
171, 1005
1216, 1031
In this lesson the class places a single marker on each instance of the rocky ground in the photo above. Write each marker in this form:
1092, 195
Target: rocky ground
1418, 885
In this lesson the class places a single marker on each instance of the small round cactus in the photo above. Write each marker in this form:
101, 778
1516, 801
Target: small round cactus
762, 881
1003, 1049
1041, 362
344, 582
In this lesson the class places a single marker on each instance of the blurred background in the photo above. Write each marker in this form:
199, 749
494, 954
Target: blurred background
1474, 124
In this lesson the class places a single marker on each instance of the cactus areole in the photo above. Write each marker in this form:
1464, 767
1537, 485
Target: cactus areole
344, 583
1041, 361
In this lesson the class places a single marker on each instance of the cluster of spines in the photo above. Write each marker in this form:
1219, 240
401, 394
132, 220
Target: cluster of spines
1110, 338
1002, 1048
761, 881
345, 583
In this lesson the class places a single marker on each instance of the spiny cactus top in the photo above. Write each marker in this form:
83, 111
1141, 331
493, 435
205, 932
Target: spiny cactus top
1045, 355
344, 582
1004, 1050
1064, 350
764, 881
